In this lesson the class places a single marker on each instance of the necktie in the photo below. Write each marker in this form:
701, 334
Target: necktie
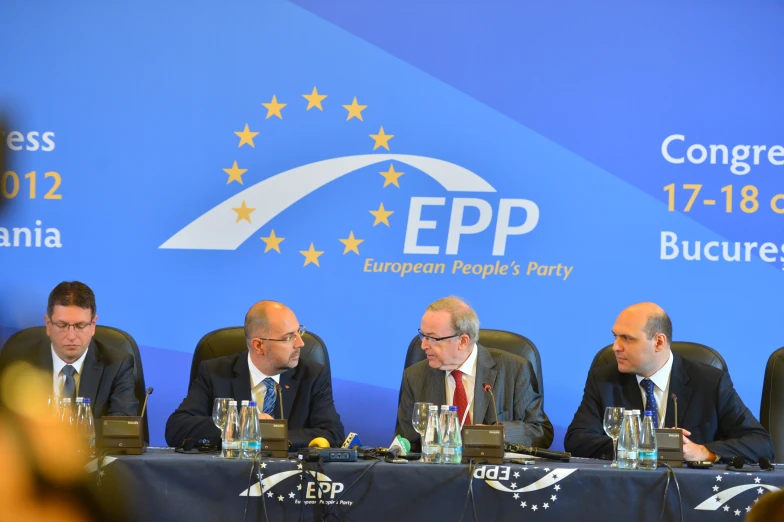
459, 399
650, 400
69, 388
269, 397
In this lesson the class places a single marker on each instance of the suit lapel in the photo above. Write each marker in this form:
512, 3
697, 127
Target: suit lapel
240, 384
289, 384
630, 392
44, 356
485, 373
434, 386
92, 371
679, 379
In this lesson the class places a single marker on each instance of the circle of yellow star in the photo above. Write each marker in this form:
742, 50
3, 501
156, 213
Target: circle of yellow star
381, 139
246, 136
354, 110
272, 242
381, 215
314, 99
273, 108
351, 244
391, 177
243, 212
311, 255
235, 173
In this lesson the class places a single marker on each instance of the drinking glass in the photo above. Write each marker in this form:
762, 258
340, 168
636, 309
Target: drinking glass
220, 412
419, 417
612, 427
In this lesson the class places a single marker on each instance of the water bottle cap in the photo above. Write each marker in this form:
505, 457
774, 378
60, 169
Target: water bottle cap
636, 412
232, 403
67, 400
245, 403
251, 404
86, 400
628, 413
433, 407
445, 407
79, 399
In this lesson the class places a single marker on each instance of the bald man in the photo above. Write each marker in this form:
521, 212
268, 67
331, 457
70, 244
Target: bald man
274, 339
716, 424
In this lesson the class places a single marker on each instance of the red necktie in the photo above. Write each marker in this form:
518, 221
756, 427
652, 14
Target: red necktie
459, 399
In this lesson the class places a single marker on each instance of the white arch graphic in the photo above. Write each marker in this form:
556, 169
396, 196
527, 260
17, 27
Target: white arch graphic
548, 480
259, 488
714, 502
217, 228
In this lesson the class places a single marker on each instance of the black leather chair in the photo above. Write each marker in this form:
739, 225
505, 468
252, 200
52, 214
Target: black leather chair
113, 337
772, 407
499, 339
228, 341
692, 351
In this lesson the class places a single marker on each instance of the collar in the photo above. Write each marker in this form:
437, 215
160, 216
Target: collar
661, 378
58, 364
469, 365
257, 376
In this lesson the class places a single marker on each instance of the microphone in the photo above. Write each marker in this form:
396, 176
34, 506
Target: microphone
675, 403
146, 396
765, 464
489, 389
736, 464
351, 441
400, 447
538, 452
280, 400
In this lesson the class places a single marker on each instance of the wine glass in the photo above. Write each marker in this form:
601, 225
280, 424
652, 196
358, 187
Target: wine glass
419, 417
220, 413
612, 427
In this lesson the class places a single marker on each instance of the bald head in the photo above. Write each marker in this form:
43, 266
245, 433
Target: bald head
257, 320
643, 333
273, 336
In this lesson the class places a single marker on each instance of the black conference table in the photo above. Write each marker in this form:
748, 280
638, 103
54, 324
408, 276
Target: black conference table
164, 485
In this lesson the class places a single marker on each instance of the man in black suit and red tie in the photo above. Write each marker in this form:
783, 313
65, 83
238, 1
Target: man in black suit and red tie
274, 339
455, 371
79, 365
716, 425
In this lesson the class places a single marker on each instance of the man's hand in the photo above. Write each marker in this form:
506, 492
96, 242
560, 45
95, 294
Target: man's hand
692, 451
264, 416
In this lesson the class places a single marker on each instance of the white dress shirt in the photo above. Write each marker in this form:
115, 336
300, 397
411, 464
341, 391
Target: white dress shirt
257, 388
661, 388
59, 376
469, 378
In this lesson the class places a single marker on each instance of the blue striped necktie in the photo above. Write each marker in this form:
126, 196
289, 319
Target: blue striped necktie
269, 397
650, 400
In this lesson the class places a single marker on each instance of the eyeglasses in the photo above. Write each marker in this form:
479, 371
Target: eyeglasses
78, 327
288, 337
431, 339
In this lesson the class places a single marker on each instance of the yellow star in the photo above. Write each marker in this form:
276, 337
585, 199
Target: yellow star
273, 108
382, 140
246, 136
235, 173
311, 255
381, 215
314, 99
391, 177
351, 244
355, 110
272, 242
243, 212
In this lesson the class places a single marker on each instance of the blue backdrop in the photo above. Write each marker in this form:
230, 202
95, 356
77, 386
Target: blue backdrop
612, 141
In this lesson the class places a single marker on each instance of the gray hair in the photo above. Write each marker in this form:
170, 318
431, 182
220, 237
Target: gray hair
464, 319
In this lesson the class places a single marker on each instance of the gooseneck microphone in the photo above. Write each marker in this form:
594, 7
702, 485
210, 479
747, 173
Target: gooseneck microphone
280, 400
146, 396
538, 452
675, 403
489, 389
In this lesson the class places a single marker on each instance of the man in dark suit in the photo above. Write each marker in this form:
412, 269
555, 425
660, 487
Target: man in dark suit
79, 365
455, 371
716, 424
274, 338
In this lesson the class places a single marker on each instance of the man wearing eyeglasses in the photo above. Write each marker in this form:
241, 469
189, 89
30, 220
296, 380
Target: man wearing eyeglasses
274, 339
456, 370
80, 366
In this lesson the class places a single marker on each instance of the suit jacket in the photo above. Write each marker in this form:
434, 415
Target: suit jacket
520, 408
306, 391
708, 407
107, 375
